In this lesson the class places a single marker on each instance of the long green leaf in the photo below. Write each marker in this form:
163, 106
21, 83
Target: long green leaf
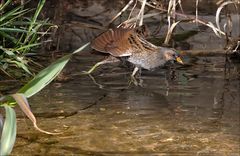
39, 8
10, 18
81, 48
12, 12
5, 35
22, 65
33, 21
44, 77
5, 4
22, 23
33, 36
28, 46
17, 30
9, 131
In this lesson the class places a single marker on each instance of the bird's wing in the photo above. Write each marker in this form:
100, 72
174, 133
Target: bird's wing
143, 31
114, 41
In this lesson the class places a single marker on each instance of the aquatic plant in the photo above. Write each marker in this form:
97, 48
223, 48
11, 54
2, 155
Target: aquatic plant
171, 13
41, 80
20, 35
29, 36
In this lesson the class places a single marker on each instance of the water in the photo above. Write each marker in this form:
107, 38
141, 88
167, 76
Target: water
192, 111
197, 113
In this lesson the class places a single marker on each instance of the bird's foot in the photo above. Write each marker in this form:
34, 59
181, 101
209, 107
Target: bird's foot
135, 82
95, 82
86, 72
90, 70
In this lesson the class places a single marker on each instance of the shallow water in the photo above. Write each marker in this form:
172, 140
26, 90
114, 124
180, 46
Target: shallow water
196, 113
191, 110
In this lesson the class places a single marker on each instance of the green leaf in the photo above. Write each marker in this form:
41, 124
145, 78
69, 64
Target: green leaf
81, 48
39, 8
5, 35
3, 5
21, 64
10, 18
34, 19
28, 46
44, 77
12, 12
9, 131
16, 30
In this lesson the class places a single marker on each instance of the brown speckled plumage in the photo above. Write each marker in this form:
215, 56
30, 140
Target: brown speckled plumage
130, 43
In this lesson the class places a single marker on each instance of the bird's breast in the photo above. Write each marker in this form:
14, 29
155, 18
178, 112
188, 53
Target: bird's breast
147, 60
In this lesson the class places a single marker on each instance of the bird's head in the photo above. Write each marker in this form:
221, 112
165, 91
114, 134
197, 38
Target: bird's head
172, 55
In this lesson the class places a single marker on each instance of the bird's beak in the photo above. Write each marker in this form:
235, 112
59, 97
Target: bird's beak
179, 60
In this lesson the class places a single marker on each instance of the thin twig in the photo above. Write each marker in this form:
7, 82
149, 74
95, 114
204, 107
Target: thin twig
180, 5
171, 13
169, 33
190, 17
134, 19
196, 19
124, 9
141, 12
135, 4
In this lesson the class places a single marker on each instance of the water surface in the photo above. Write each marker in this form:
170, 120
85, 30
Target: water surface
194, 113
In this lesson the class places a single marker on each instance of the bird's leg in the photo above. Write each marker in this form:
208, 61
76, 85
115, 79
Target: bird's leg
109, 59
140, 78
93, 67
134, 71
133, 79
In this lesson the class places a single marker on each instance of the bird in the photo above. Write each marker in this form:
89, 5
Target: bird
129, 43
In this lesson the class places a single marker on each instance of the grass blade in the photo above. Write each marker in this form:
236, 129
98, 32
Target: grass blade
11, 38
9, 131
33, 21
28, 46
44, 77
22, 65
81, 48
4, 4
8, 19
17, 30
11, 13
